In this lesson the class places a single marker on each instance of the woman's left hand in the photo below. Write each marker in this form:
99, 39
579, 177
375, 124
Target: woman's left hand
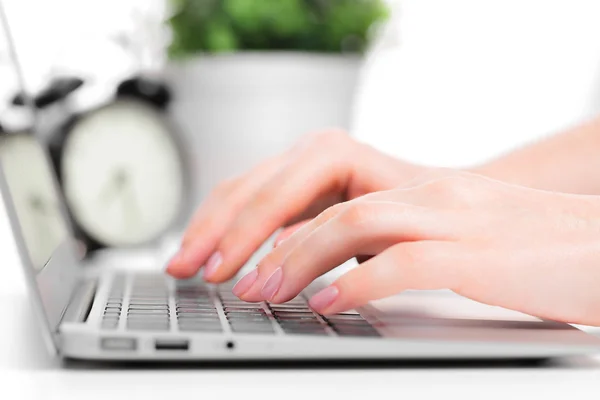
528, 250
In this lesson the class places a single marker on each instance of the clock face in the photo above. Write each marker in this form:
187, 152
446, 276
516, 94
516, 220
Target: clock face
34, 195
122, 174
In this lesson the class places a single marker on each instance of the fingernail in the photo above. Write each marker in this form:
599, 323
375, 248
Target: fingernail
245, 283
279, 241
272, 284
324, 298
212, 265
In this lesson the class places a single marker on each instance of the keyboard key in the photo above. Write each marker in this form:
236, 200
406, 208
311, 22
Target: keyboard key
296, 301
265, 321
148, 301
150, 318
208, 313
293, 309
193, 300
245, 314
302, 331
148, 327
196, 317
148, 312
359, 333
148, 307
294, 313
193, 321
253, 329
201, 328
196, 307
290, 318
345, 317
299, 322
243, 308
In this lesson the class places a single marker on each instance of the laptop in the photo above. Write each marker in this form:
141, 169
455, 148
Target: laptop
125, 314
121, 314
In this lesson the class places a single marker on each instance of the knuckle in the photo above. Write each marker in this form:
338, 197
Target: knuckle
327, 139
357, 215
262, 198
412, 256
224, 187
450, 186
414, 261
331, 212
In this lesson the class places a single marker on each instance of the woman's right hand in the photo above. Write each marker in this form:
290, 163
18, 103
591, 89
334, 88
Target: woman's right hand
242, 213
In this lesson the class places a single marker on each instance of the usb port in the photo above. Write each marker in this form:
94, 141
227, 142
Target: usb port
172, 345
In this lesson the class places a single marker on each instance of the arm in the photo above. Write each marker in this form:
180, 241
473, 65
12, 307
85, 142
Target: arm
567, 162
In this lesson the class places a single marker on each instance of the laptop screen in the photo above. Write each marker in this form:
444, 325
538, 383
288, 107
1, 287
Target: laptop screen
31, 196
30, 180
34, 196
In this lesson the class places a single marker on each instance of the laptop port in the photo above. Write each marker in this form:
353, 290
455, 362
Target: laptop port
172, 345
118, 344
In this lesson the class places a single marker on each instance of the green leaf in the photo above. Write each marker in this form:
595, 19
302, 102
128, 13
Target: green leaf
308, 25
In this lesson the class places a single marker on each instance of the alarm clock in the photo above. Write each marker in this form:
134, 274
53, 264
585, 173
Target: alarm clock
121, 168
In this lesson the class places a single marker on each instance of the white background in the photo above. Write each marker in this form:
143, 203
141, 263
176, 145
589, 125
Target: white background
468, 80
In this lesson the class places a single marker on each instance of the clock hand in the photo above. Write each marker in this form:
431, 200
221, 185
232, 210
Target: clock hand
130, 203
113, 186
38, 204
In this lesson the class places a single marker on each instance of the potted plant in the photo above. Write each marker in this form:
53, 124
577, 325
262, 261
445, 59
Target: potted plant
249, 77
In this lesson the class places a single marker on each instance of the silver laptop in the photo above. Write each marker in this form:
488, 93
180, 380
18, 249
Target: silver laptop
109, 314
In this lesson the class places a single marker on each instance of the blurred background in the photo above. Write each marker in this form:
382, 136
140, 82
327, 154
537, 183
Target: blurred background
144, 105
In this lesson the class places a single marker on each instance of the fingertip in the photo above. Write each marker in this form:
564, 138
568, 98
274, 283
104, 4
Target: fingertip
244, 284
188, 261
324, 300
178, 269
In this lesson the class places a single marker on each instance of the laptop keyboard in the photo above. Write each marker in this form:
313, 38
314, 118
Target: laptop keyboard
152, 304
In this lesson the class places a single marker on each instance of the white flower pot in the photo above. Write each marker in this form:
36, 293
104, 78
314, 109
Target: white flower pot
235, 110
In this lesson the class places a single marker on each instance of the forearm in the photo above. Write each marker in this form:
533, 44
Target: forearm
567, 162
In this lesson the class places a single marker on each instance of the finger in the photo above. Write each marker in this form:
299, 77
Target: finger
444, 197
289, 231
308, 176
425, 265
215, 215
366, 228
250, 289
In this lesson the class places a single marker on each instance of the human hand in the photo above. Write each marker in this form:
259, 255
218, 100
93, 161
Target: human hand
523, 249
240, 214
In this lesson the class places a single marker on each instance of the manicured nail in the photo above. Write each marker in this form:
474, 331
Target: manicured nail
272, 284
324, 298
279, 241
212, 265
245, 283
